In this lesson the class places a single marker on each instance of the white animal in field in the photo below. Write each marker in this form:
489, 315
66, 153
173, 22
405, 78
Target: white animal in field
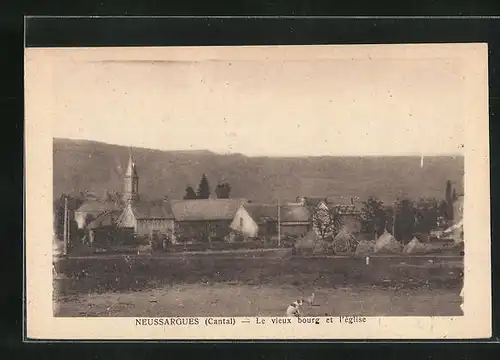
310, 299
294, 308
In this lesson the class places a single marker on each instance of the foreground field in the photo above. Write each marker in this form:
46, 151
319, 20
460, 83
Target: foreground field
243, 300
239, 285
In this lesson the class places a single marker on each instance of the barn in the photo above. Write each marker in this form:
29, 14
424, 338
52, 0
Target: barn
147, 218
254, 219
102, 230
204, 220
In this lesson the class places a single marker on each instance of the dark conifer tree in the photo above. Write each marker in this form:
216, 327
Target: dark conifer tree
190, 194
203, 189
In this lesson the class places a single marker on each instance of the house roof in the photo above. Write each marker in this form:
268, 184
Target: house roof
334, 199
351, 209
206, 209
94, 206
314, 200
294, 213
269, 212
107, 218
152, 210
341, 199
342, 204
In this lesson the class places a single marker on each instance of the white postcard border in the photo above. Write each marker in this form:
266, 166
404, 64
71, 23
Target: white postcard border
476, 323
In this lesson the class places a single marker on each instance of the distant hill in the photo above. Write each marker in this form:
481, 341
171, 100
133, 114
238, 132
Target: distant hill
87, 165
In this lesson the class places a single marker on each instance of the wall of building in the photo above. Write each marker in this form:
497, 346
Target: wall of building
146, 227
214, 230
244, 224
295, 229
82, 218
105, 235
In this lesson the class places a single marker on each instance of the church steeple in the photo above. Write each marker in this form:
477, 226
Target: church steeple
131, 181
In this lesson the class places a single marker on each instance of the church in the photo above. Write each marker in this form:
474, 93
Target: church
143, 218
185, 220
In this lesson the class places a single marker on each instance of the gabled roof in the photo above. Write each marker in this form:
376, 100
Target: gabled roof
294, 213
107, 218
206, 209
262, 212
341, 204
94, 206
269, 212
152, 210
351, 209
314, 201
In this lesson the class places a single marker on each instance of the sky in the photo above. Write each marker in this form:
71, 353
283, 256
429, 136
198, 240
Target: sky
262, 101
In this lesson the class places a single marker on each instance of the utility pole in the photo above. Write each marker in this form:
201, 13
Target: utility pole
66, 228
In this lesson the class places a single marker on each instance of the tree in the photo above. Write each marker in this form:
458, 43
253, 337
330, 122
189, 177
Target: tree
223, 190
404, 226
426, 215
203, 189
58, 214
190, 194
449, 201
326, 222
373, 216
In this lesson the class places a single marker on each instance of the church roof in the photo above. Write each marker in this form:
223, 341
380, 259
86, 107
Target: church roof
152, 210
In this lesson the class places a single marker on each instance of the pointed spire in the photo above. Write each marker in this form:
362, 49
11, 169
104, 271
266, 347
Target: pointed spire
131, 181
131, 169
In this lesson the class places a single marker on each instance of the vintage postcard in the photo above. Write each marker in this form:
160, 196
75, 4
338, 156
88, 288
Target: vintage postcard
259, 192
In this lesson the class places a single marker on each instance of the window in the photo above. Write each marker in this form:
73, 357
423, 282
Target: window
241, 222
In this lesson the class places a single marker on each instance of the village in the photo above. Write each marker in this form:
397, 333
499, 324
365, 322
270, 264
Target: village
204, 255
312, 225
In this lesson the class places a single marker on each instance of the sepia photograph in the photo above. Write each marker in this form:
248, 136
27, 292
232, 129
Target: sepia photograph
281, 184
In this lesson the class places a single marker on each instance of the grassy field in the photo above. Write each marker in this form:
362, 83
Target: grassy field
239, 285
246, 300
